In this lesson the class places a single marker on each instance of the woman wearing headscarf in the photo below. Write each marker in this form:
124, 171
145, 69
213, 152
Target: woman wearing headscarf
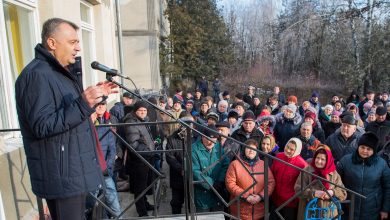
322, 165
366, 173
285, 178
238, 180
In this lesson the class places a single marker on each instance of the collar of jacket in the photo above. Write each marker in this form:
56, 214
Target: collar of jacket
356, 159
42, 53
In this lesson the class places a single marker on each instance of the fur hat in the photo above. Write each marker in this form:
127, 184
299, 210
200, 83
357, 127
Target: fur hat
369, 139
233, 114
291, 107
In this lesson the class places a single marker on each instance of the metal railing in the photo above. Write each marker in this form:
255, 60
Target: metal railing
190, 209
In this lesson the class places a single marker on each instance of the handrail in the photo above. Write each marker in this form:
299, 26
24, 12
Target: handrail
237, 199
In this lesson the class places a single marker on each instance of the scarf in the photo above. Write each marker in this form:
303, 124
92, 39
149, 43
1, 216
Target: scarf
329, 166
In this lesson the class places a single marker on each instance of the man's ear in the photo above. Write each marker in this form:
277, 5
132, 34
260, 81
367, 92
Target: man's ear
51, 43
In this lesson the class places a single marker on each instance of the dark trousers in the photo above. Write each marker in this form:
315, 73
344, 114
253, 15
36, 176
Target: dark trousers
177, 200
68, 208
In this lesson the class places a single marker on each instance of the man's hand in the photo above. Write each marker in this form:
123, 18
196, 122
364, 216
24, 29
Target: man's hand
384, 215
93, 95
107, 87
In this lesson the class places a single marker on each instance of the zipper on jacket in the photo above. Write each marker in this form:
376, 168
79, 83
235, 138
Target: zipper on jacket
62, 150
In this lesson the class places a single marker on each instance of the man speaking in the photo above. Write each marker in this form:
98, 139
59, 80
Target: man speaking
54, 116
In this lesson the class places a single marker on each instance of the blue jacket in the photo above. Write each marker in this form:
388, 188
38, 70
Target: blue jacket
108, 142
369, 179
205, 198
58, 135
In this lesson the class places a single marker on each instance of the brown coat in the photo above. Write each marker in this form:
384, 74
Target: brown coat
238, 179
307, 195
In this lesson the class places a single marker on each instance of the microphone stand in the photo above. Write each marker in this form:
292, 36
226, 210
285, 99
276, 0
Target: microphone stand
188, 175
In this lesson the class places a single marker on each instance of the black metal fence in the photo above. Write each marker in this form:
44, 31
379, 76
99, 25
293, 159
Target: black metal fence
190, 209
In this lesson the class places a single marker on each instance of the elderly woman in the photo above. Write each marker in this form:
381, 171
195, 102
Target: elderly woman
366, 173
238, 180
285, 178
325, 115
322, 165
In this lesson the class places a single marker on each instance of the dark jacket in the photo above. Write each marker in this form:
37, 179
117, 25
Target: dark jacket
385, 153
240, 135
286, 129
319, 133
256, 109
309, 146
140, 139
175, 159
118, 111
341, 147
108, 141
330, 128
58, 136
369, 179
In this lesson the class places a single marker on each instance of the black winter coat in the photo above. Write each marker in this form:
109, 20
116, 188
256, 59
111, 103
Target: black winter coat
341, 147
175, 160
58, 135
240, 135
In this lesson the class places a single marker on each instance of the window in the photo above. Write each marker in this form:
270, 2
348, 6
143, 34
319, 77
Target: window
88, 42
18, 37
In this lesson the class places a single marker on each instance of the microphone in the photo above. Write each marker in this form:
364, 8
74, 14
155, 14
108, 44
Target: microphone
112, 72
97, 66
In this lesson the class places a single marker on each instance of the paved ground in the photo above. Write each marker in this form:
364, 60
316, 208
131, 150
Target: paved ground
125, 198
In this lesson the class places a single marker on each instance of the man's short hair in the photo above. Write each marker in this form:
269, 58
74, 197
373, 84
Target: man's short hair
50, 26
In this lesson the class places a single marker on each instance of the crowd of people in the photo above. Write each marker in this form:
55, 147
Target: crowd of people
337, 141
346, 143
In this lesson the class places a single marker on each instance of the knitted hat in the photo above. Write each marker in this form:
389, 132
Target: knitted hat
315, 94
140, 104
190, 101
291, 107
329, 107
311, 115
264, 112
292, 98
337, 113
248, 116
225, 93
370, 140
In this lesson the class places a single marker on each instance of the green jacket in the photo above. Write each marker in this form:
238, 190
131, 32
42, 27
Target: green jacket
205, 198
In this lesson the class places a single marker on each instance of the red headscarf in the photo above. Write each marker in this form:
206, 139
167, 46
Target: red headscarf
329, 166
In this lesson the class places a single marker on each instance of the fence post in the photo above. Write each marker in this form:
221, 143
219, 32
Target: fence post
189, 174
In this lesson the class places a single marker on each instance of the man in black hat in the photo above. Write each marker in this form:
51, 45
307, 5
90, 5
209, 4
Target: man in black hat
344, 141
248, 129
197, 99
140, 139
381, 126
